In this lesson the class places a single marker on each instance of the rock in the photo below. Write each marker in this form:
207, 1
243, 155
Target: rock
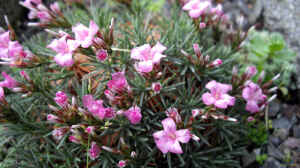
274, 108
292, 143
282, 122
284, 16
274, 152
275, 140
273, 163
296, 131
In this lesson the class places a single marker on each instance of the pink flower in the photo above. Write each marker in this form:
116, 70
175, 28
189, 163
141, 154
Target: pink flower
216, 63
85, 35
168, 139
218, 10
53, 118
90, 130
101, 55
44, 16
253, 94
250, 119
122, 163
31, 3
202, 25
218, 95
118, 83
25, 75
9, 82
134, 114
197, 112
58, 133
147, 56
2, 96
197, 7
94, 151
156, 87
74, 139
61, 99
96, 107
251, 71
55, 7
173, 113
64, 49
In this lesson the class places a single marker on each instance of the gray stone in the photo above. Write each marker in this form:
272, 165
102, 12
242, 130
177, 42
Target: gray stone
282, 122
292, 143
284, 16
273, 163
275, 140
274, 108
274, 152
296, 131
281, 133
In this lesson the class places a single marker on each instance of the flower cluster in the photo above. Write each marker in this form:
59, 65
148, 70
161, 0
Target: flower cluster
12, 52
111, 101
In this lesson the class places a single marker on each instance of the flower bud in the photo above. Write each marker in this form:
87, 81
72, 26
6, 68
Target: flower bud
156, 87
101, 55
202, 25
94, 151
122, 163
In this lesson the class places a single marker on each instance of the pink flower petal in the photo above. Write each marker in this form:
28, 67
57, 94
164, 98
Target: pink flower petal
169, 125
183, 135
175, 148
208, 99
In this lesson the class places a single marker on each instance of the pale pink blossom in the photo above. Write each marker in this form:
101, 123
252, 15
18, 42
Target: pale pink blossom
118, 83
64, 49
202, 25
55, 7
253, 94
2, 96
122, 163
101, 55
90, 130
197, 7
134, 114
173, 113
197, 112
250, 119
168, 139
94, 151
44, 16
74, 139
96, 107
58, 133
110, 95
156, 87
25, 75
9, 49
30, 3
251, 71
9, 82
53, 118
218, 10
61, 99
216, 63
218, 95
147, 56
85, 35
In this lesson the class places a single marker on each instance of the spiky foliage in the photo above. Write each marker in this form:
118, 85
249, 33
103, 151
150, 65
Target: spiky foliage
183, 76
